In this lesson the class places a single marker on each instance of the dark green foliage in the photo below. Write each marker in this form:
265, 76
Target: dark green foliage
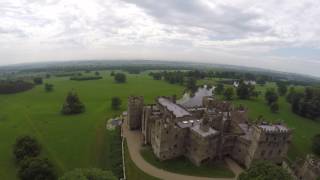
37, 80
9, 87
65, 74
316, 144
271, 96
156, 75
115, 155
174, 77
115, 103
48, 87
120, 78
274, 107
112, 73
36, 169
48, 76
264, 170
192, 84
26, 147
306, 104
88, 174
282, 88
97, 73
85, 78
72, 104
228, 93
246, 91
219, 89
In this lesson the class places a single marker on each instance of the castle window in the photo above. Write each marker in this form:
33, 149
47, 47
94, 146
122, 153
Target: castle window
279, 152
263, 152
167, 131
176, 136
175, 146
270, 152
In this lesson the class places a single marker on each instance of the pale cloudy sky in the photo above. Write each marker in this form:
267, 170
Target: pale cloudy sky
275, 34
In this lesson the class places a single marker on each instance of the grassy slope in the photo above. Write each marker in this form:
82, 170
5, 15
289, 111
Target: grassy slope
303, 129
132, 171
69, 141
184, 166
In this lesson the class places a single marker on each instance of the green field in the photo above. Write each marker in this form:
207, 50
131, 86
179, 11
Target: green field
77, 141
184, 166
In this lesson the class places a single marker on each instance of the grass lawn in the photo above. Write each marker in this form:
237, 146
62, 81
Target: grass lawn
183, 166
78, 141
132, 171
303, 129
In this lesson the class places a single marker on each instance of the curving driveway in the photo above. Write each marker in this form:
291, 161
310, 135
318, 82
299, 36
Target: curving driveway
134, 141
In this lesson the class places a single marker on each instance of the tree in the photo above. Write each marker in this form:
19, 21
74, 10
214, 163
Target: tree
264, 170
36, 168
282, 88
219, 89
26, 147
112, 73
228, 93
97, 73
271, 96
37, 80
88, 174
115, 103
120, 78
274, 107
316, 144
192, 84
48, 87
72, 104
245, 91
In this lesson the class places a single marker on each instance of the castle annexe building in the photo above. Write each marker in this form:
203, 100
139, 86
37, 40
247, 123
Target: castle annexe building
206, 131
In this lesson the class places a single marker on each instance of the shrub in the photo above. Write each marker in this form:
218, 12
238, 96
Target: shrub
26, 147
120, 78
72, 104
115, 103
9, 87
48, 87
37, 169
37, 80
85, 78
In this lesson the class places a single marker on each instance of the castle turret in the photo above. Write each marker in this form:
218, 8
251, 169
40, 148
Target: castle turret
135, 108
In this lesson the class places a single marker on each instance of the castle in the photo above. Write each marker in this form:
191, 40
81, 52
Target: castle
206, 131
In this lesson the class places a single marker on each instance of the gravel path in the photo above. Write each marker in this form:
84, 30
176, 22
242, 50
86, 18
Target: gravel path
134, 141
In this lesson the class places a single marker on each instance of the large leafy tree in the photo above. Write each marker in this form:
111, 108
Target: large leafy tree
26, 147
37, 169
228, 93
219, 89
120, 78
271, 96
72, 104
246, 91
282, 88
88, 174
264, 170
115, 103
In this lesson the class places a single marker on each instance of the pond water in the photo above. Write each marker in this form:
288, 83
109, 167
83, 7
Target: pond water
192, 101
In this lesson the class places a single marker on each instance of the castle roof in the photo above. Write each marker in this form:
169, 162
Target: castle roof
177, 110
197, 129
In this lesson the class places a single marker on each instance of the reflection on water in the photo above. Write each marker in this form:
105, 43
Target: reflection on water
196, 100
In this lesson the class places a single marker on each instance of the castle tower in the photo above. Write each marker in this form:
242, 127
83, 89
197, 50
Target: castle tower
135, 108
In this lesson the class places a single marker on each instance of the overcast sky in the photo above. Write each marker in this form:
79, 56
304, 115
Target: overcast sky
275, 34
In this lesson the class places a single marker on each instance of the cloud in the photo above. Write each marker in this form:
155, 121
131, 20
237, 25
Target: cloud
271, 34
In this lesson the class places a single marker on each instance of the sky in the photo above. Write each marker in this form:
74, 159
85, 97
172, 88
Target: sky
280, 35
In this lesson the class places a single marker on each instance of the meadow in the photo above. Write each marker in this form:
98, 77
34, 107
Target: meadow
76, 141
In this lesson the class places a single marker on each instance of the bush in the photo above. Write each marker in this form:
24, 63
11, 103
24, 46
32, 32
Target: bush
26, 147
37, 80
85, 78
36, 169
9, 87
316, 144
274, 107
228, 93
120, 78
72, 104
219, 89
264, 170
115, 103
271, 96
88, 174
48, 87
